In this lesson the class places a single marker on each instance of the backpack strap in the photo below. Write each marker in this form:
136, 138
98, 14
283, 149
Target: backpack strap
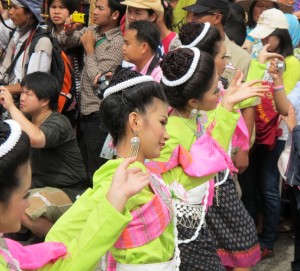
22, 49
13, 63
154, 62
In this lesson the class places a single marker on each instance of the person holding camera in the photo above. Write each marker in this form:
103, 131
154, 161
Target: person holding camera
58, 173
262, 173
102, 44
26, 17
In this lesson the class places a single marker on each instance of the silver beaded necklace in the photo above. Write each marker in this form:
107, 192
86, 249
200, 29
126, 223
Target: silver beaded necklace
199, 132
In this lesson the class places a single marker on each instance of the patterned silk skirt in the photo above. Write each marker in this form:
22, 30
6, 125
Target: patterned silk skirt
233, 228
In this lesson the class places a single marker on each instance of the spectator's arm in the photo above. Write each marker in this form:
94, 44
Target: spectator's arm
37, 137
73, 40
111, 59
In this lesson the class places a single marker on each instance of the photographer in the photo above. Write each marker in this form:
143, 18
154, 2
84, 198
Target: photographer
26, 17
102, 44
262, 173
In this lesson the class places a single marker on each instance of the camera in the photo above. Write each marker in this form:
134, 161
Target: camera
280, 65
103, 83
78, 17
225, 82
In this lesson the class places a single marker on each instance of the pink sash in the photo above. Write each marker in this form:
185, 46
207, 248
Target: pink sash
148, 222
240, 137
35, 256
205, 157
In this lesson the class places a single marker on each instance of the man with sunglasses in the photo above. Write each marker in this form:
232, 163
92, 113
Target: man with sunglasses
216, 12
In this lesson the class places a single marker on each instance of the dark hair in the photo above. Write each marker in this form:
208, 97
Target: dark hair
224, 12
168, 14
115, 5
251, 23
116, 108
285, 47
45, 86
10, 162
27, 11
235, 27
146, 32
175, 65
190, 31
70, 5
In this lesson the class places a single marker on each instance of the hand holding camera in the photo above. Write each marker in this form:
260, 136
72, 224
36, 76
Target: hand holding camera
78, 17
276, 69
102, 80
74, 22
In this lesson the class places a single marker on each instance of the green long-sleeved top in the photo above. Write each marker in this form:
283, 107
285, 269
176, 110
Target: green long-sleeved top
87, 240
181, 131
102, 227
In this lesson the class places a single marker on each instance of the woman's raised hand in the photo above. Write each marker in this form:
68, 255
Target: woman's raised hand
126, 183
238, 91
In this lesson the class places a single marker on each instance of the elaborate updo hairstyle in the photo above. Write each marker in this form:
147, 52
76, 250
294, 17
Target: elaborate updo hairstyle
128, 92
187, 74
201, 35
14, 152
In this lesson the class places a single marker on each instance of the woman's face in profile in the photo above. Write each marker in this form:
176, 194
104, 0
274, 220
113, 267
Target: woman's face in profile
12, 211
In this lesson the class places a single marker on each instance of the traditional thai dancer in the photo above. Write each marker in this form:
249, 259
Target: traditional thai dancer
135, 112
190, 83
237, 245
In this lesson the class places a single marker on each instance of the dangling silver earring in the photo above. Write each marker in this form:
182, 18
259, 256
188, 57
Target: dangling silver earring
135, 145
194, 113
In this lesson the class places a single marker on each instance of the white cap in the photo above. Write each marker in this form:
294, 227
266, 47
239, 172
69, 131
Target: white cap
268, 21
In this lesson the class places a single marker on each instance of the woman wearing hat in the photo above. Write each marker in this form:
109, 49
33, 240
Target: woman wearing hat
272, 29
253, 10
26, 17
